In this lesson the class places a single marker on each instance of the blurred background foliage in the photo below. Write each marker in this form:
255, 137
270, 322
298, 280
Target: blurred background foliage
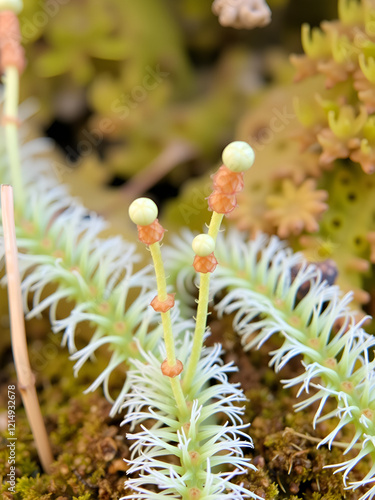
124, 80
141, 97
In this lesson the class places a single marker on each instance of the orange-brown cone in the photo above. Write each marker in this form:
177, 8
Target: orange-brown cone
171, 371
151, 234
222, 203
163, 306
228, 182
12, 54
205, 264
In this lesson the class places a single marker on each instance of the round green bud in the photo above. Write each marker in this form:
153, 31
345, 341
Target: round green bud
143, 211
203, 245
238, 156
14, 5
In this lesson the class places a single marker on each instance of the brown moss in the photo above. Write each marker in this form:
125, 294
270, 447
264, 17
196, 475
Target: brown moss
89, 448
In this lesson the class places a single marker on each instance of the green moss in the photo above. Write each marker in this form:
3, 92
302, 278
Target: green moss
88, 447
31, 488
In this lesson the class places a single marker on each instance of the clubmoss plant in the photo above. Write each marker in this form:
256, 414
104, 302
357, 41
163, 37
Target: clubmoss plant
61, 245
264, 294
176, 390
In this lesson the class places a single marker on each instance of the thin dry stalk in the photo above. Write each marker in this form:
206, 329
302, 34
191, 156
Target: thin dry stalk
26, 379
173, 155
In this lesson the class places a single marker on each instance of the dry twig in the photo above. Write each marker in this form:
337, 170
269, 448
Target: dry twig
26, 379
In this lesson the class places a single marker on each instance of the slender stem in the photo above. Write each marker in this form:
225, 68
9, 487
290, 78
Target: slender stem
162, 295
200, 328
215, 224
179, 397
203, 300
26, 380
167, 326
11, 132
161, 281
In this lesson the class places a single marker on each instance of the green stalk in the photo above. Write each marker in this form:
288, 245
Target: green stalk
202, 309
167, 326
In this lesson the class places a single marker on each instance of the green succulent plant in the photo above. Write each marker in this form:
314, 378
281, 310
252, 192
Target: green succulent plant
313, 183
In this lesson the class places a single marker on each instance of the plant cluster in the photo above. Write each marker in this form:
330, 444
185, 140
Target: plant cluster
187, 425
